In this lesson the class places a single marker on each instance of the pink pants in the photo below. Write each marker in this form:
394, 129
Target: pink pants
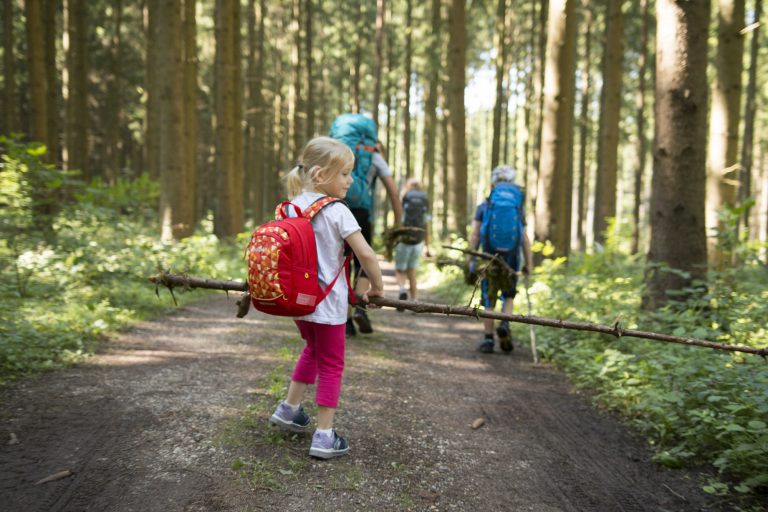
322, 359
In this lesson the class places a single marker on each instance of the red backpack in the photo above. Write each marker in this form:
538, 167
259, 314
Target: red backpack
282, 263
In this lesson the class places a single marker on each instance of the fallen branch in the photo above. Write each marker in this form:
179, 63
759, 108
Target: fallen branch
172, 280
493, 258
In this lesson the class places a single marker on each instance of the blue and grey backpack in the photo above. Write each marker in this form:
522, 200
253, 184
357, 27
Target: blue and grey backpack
502, 228
359, 134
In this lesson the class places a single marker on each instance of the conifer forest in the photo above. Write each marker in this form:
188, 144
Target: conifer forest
146, 135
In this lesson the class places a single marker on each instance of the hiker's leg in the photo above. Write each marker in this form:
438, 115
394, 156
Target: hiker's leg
412, 281
330, 366
305, 371
488, 293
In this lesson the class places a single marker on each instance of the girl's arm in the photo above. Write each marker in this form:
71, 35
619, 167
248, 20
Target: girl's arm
368, 260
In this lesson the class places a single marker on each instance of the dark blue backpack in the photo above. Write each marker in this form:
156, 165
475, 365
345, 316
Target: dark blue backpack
359, 134
502, 228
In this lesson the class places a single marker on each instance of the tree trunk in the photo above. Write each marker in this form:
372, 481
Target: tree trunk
295, 131
51, 76
499, 43
750, 110
381, 9
608, 130
152, 110
407, 100
457, 56
678, 239
112, 149
357, 60
189, 102
554, 180
10, 102
76, 153
229, 162
430, 106
581, 206
309, 104
38, 84
722, 157
642, 142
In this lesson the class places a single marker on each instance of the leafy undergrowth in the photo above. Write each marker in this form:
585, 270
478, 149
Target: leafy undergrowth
71, 275
696, 406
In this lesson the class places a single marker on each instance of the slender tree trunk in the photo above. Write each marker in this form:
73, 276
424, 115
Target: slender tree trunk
77, 100
444, 163
750, 110
722, 157
381, 9
189, 101
295, 132
608, 131
554, 180
584, 125
358, 57
499, 42
678, 237
38, 85
10, 102
457, 57
309, 104
642, 142
540, 69
51, 76
407, 99
152, 110
112, 148
430, 105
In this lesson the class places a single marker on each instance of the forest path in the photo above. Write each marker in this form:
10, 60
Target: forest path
172, 416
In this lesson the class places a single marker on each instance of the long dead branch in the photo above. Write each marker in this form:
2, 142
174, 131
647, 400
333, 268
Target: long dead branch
493, 258
173, 280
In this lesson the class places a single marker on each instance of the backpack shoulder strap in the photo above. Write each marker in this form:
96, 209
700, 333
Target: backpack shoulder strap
313, 209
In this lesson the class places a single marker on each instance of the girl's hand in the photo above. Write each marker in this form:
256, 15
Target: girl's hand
373, 292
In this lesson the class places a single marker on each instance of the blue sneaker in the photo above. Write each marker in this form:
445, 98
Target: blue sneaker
288, 419
328, 446
485, 346
505, 338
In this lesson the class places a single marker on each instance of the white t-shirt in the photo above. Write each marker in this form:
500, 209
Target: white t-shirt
331, 225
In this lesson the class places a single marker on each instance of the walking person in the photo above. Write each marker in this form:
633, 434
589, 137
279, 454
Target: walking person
325, 169
414, 241
359, 133
499, 225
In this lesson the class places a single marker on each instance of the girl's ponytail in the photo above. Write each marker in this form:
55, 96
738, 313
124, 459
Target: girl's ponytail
295, 181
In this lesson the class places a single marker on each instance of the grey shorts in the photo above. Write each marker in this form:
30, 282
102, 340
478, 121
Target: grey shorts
407, 256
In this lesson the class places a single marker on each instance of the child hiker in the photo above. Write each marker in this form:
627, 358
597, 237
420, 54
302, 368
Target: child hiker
325, 170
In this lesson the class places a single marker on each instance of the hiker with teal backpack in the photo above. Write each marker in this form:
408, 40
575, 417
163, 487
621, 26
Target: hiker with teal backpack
499, 225
316, 186
359, 133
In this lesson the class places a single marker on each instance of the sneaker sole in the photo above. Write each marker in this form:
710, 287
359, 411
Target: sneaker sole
327, 453
287, 425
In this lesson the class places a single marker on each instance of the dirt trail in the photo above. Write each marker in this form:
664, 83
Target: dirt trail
173, 416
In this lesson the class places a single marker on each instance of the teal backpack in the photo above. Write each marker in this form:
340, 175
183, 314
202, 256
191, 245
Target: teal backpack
359, 134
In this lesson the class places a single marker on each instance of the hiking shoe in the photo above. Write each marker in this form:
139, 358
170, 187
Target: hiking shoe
328, 446
485, 346
361, 318
403, 296
350, 329
288, 419
505, 338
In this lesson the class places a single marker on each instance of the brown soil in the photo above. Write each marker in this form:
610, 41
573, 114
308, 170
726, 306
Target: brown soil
173, 416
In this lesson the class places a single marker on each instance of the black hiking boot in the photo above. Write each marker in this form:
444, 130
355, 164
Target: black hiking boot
361, 319
403, 296
505, 338
350, 330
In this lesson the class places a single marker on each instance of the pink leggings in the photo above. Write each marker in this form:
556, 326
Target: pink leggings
322, 359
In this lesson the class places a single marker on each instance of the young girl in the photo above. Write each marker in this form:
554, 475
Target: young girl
325, 169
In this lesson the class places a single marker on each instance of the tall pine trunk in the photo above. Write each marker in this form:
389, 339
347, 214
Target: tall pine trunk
430, 106
722, 157
678, 250
457, 56
407, 100
229, 160
50, 8
112, 147
189, 101
76, 138
642, 142
608, 130
750, 109
38, 84
10, 102
378, 57
500, 44
584, 125
309, 104
553, 202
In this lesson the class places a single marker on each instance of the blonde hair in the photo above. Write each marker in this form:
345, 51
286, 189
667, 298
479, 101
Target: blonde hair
320, 154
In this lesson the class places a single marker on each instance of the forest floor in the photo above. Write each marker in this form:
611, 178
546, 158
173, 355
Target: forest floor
173, 415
